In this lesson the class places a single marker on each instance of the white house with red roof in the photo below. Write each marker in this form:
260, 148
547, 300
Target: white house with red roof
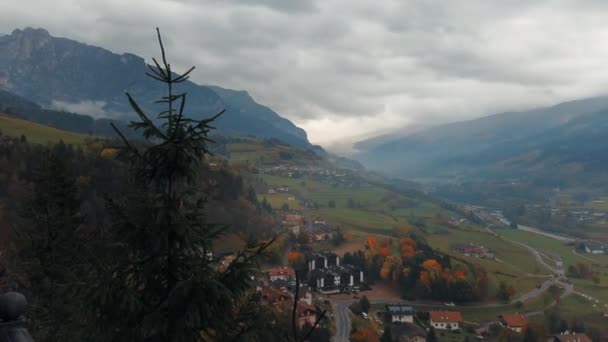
445, 320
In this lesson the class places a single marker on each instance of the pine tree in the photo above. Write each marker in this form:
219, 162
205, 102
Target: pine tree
46, 250
154, 281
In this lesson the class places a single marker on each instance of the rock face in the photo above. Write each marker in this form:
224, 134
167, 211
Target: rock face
65, 74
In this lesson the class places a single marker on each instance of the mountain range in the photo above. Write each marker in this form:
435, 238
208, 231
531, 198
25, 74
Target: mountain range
561, 145
66, 75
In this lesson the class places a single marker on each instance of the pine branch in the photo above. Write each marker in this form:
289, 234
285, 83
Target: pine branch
145, 118
125, 141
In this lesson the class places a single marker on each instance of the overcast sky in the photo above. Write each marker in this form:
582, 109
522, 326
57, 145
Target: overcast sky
345, 69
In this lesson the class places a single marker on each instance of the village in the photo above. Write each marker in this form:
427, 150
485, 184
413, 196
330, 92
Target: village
331, 176
324, 282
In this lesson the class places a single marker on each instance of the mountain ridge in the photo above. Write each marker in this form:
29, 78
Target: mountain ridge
509, 145
59, 72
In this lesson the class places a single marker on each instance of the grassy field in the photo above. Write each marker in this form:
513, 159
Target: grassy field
256, 151
375, 209
37, 133
278, 200
578, 308
551, 247
513, 264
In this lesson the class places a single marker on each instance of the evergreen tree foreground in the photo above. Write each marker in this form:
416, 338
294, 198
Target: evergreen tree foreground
157, 280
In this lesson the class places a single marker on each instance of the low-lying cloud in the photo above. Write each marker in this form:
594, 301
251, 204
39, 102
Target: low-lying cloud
94, 109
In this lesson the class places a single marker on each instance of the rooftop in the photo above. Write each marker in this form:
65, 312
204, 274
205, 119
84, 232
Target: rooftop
446, 316
281, 271
399, 308
515, 320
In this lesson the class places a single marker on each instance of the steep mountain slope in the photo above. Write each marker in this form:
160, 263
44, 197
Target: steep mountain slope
501, 145
62, 73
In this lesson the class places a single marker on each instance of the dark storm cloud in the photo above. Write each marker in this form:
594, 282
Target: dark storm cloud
346, 68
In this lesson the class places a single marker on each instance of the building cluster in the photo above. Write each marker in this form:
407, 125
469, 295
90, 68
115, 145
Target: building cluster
278, 291
327, 275
318, 230
294, 223
321, 230
333, 176
405, 326
473, 250
283, 301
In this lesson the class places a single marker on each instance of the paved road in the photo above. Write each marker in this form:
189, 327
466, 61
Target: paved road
545, 233
343, 322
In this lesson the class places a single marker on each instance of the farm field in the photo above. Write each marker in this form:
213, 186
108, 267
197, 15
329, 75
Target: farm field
256, 151
37, 133
278, 200
513, 264
598, 263
578, 308
373, 209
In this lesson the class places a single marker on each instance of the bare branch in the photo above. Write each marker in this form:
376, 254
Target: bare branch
162, 49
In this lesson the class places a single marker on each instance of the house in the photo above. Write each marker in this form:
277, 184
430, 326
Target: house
307, 314
335, 278
570, 337
515, 322
274, 296
322, 231
293, 220
593, 247
407, 332
400, 313
445, 320
305, 297
281, 273
320, 260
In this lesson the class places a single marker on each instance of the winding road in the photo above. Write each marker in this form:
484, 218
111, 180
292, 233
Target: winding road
343, 321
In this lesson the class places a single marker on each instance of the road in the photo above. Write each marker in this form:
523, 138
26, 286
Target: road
544, 233
343, 321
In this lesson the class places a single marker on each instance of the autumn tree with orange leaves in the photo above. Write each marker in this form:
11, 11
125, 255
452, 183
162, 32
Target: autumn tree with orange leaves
296, 260
371, 243
408, 247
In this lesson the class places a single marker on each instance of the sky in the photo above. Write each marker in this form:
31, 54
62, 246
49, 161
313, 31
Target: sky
345, 70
